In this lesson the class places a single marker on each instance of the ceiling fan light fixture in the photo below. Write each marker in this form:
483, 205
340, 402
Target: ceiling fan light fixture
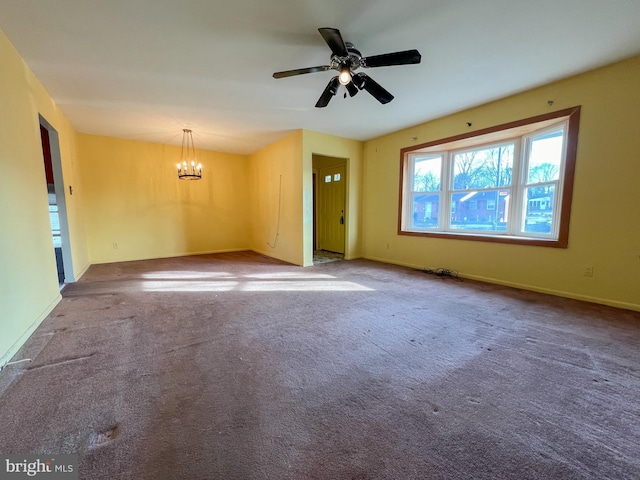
352, 89
345, 75
358, 80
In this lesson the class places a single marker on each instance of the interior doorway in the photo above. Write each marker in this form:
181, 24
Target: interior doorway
330, 219
57, 202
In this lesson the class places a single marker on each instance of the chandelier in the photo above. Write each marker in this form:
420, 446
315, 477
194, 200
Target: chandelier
187, 168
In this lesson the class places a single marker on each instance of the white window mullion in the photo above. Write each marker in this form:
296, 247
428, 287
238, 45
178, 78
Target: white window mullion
556, 208
445, 195
409, 198
517, 187
413, 193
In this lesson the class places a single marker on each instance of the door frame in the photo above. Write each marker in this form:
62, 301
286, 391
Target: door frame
61, 201
319, 162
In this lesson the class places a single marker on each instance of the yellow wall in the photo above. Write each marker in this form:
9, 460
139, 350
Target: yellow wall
28, 279
315, 143
605, 219
282, 223
133, 200
276, 199
127, 193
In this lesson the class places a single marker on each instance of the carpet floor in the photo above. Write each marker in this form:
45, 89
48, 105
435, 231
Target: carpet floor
237, 366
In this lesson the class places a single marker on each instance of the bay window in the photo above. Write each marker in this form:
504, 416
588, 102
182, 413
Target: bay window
512, 183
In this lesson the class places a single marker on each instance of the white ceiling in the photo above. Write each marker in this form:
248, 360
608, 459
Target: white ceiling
146, 69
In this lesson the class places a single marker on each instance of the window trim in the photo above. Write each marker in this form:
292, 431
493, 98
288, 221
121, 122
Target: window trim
573, 120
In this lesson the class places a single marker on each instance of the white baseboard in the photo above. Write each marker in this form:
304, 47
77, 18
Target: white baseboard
557, 293
533, 288
82, 272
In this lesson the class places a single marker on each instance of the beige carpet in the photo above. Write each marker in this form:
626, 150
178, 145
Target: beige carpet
236, 366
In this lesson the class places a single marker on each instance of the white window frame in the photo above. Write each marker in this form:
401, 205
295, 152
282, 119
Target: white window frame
521, 134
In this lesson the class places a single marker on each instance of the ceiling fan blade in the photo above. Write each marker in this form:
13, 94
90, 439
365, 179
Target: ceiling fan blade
330, 90
363, 81
301, 71
397, 58
334, 39
352, 89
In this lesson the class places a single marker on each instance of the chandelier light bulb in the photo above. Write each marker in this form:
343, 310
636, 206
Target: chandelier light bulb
188, 154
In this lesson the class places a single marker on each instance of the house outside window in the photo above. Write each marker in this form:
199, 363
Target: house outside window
512, 183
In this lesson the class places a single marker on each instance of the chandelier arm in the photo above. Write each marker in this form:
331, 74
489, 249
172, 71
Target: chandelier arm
187, 168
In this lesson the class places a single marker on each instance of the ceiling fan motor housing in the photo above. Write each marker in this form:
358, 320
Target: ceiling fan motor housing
353, 60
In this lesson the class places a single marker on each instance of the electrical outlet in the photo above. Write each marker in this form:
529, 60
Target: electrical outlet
115, 245
588, 271
387, 246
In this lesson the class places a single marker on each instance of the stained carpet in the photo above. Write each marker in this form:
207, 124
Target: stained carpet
237, 366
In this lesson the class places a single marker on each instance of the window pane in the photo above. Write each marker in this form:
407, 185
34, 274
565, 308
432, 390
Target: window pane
481, 211
483, 168
54, 219
426, 174
327, 179
425, 210
545, 156
538, 217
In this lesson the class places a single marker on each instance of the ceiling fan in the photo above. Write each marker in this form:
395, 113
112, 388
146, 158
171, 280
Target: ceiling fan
346, 59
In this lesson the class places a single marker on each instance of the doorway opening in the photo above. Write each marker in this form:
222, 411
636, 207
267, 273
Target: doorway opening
57, 202
329, 204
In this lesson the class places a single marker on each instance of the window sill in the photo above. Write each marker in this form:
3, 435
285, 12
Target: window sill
478, 237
